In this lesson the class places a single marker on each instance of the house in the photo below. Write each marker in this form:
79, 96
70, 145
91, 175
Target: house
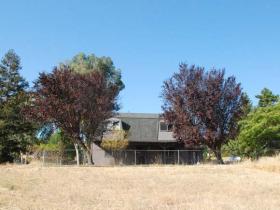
150, 140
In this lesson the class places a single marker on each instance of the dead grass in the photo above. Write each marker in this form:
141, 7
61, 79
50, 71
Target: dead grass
241, 186
271, 164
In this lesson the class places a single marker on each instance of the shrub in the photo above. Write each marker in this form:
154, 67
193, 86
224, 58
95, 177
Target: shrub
115, 140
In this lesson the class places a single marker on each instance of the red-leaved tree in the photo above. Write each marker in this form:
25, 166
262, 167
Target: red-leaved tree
204, 107
79, 104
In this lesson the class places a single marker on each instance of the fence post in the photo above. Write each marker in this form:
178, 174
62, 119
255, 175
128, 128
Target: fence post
44, 158
134, 157
178, 160
194, 158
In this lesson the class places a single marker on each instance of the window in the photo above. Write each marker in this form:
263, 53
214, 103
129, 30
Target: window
165, 127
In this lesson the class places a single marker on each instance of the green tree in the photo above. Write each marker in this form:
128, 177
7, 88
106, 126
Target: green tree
82, 63
247, 105
258, 131
267, 98
57, 141
16, 134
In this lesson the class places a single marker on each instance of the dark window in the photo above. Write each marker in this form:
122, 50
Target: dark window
165, 127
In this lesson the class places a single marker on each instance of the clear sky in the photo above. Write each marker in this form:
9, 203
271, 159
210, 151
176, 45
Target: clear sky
147, 39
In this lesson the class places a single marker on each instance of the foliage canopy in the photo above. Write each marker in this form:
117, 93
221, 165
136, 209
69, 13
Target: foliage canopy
267, 98
204, 107
76, 103
259, 133
84, 64
16, 134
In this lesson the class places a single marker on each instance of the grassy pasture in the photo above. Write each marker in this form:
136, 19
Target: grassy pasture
242, 186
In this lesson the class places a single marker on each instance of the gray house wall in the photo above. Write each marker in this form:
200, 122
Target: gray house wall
166, 136
100, 157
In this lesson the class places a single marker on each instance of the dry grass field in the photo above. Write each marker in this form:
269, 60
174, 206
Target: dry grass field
241, 186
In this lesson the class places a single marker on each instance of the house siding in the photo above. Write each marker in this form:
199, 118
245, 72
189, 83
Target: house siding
100, 157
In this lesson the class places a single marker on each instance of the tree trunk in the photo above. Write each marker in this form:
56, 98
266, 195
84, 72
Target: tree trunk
89, 157
21, 158
77, 154
86, 149
218, 155
26, 158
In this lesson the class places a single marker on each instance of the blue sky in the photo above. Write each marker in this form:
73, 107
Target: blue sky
147, 40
